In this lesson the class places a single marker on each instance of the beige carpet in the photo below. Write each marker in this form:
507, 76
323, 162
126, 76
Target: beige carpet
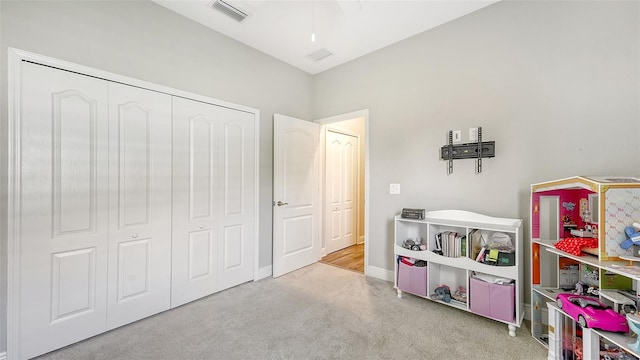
319, 312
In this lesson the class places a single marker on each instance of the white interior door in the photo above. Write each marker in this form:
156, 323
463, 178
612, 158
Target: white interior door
63, 230
341, 190
140, 204
295, 194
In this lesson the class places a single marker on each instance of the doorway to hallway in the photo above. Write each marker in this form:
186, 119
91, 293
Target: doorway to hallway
343, 191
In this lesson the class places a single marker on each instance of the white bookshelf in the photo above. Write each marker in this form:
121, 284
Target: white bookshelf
457, 271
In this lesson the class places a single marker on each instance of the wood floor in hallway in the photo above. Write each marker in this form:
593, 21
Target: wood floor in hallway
350, 258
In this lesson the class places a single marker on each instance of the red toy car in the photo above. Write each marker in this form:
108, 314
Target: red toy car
589, 312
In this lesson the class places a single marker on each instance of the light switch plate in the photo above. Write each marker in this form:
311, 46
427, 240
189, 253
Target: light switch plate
457, 136
473, 134
394, 189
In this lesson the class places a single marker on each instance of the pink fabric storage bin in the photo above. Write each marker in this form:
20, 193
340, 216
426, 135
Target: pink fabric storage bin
479, 295
493, 300
412, 279
503, 298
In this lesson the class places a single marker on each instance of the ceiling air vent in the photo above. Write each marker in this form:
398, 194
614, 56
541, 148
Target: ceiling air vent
229, 10
319, 55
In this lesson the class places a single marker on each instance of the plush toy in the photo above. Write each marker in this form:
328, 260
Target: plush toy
633, 236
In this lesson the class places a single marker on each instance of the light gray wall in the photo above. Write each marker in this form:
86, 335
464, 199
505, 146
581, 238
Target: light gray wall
145, 41
555, 84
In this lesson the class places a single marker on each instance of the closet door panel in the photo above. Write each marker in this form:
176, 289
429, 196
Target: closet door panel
196, 202
140, 204
238, 195
63, 182
200, 254
134, 165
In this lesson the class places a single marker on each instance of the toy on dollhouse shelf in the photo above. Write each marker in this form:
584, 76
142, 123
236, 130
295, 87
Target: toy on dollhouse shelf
633, 236
568, 223
582, 288
589, 229
632, 239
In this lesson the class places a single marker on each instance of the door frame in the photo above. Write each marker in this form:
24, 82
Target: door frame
368, 270
15, 60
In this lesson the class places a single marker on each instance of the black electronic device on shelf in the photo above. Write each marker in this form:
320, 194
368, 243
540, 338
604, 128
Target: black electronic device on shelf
416, 214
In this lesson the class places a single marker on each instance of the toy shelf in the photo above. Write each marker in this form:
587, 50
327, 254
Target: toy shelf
614, 266
459, 272
453, 303
614, 296
568, 208
620, 340
457, 262
549, 292
591, 338
590, 260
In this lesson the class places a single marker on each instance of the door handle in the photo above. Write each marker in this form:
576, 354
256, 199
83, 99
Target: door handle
280, 203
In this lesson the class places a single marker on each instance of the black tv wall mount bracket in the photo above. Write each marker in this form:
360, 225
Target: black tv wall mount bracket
475, 150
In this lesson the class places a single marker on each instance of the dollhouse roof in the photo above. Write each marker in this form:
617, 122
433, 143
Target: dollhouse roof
593, 183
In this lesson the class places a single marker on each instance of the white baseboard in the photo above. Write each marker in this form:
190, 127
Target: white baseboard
360, 240
323, 252
263, 273
3, 355
378, 273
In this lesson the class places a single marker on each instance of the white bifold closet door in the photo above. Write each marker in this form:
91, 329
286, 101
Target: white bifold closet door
63, 228
139, 204
95, 207
213, 199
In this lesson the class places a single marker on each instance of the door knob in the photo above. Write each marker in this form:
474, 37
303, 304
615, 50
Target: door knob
280, 203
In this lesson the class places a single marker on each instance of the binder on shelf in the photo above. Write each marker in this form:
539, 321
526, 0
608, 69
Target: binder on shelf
477, 243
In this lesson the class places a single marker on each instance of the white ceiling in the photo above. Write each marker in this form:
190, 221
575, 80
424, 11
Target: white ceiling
347, 28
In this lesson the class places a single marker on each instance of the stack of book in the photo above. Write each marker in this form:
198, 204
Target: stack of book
451, 244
